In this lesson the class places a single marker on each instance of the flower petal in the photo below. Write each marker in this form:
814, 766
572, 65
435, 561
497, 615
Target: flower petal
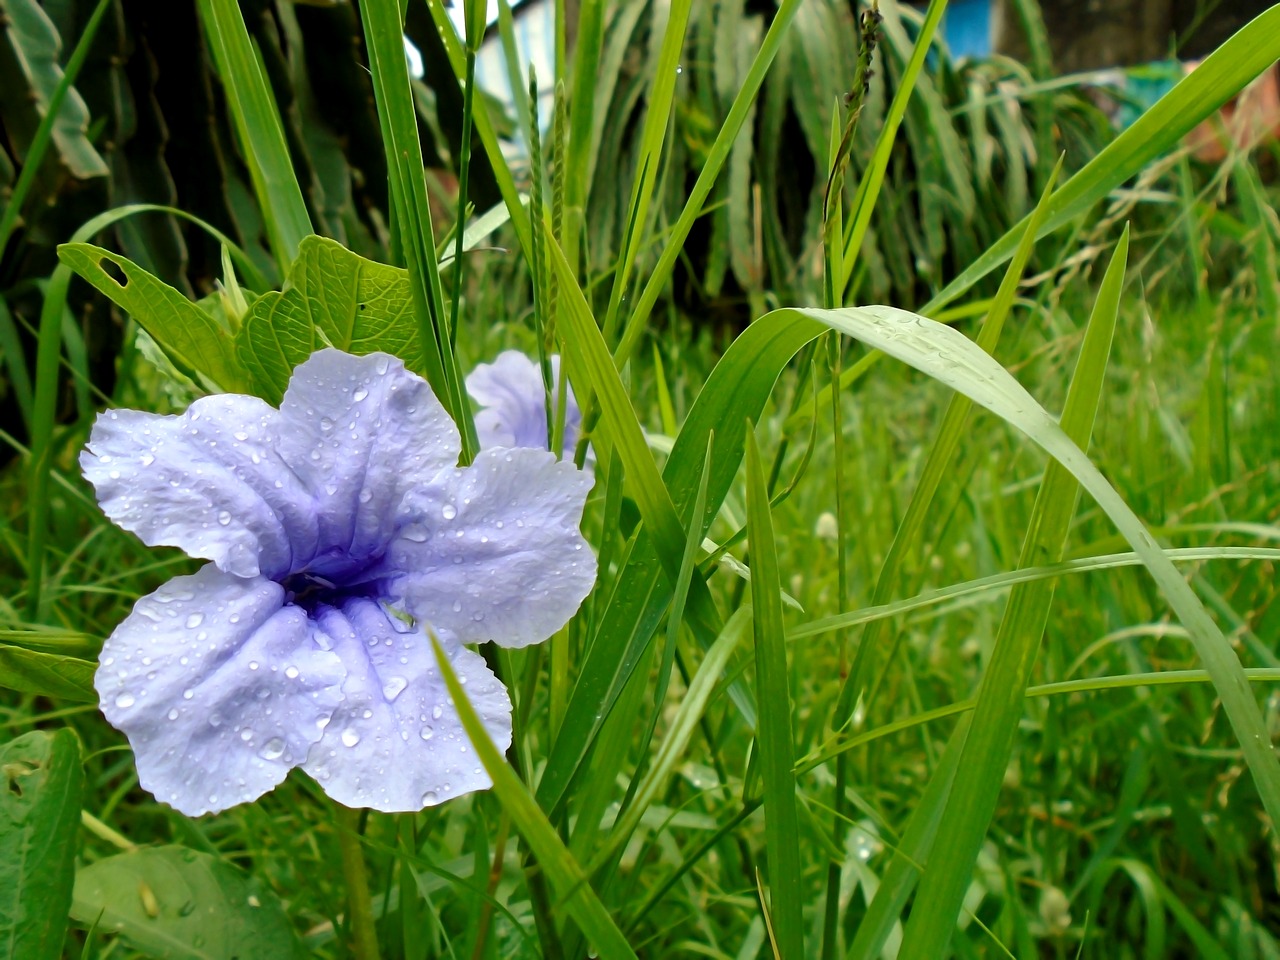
514, 400
360, 432
208, 481
220, 689
396, 744
498, 554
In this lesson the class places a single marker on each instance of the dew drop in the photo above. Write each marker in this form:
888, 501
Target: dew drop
291, 672
381, 365
449, 511
416, 535
188, 694
457, 606
326, 424
427, 732
215, 720
195, 620
273, 749
359, 394
246, 734
241, 435
429, 798
147, 459
437, 712
350, 738
125, 701
366, 496
253, 664
394, 687
224, 518
173, 714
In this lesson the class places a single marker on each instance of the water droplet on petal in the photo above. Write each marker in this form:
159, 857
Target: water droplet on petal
381, 365
429, 798
291, 672
350, 738
427, 732
215, 720
125, 701
224, 518
188, 694
241, 435
449, 511
394, 687
359, 394
246, 734
173, 714
147, 459
273, 749
195, 620
366, 496
437, 712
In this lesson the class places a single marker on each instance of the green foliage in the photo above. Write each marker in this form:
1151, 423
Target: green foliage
1055, 779
172, 903
41, 788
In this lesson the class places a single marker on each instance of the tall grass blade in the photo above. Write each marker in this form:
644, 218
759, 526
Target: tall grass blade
258, 127
578, 899
776, 749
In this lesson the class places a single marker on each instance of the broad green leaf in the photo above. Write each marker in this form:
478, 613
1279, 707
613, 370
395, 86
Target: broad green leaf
47, 674
332, 297
577, 898
775, 747
172, 903
197, 344
994, 724
257, 120
41, 784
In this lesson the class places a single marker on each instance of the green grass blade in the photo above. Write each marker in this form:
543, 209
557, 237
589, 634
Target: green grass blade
398, 120
716, 158
952, 359
737, 389
257, 122
578, 899
656, 122
1001, 697
582, 102
454, 48
774, 743
1218, 78
869, 185
44, 133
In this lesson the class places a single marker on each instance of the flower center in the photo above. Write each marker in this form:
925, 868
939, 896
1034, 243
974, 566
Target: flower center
330, 581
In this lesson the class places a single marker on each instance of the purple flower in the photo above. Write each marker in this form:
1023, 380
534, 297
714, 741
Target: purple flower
514, 400
341, 530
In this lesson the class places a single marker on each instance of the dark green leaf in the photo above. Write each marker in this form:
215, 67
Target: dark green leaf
41, 783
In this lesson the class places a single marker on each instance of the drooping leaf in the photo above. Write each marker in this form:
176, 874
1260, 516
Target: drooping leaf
47, 674
197, 344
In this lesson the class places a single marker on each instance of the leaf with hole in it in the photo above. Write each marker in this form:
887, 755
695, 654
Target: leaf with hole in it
41, 783
47, 674
196, 343
172, 903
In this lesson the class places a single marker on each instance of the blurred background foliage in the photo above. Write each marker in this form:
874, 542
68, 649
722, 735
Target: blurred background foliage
145, 122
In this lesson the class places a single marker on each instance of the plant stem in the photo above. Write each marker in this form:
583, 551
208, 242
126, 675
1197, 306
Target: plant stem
364, 935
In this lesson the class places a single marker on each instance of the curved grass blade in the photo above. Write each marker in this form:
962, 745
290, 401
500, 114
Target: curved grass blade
949, 357
994, 725
577, 898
